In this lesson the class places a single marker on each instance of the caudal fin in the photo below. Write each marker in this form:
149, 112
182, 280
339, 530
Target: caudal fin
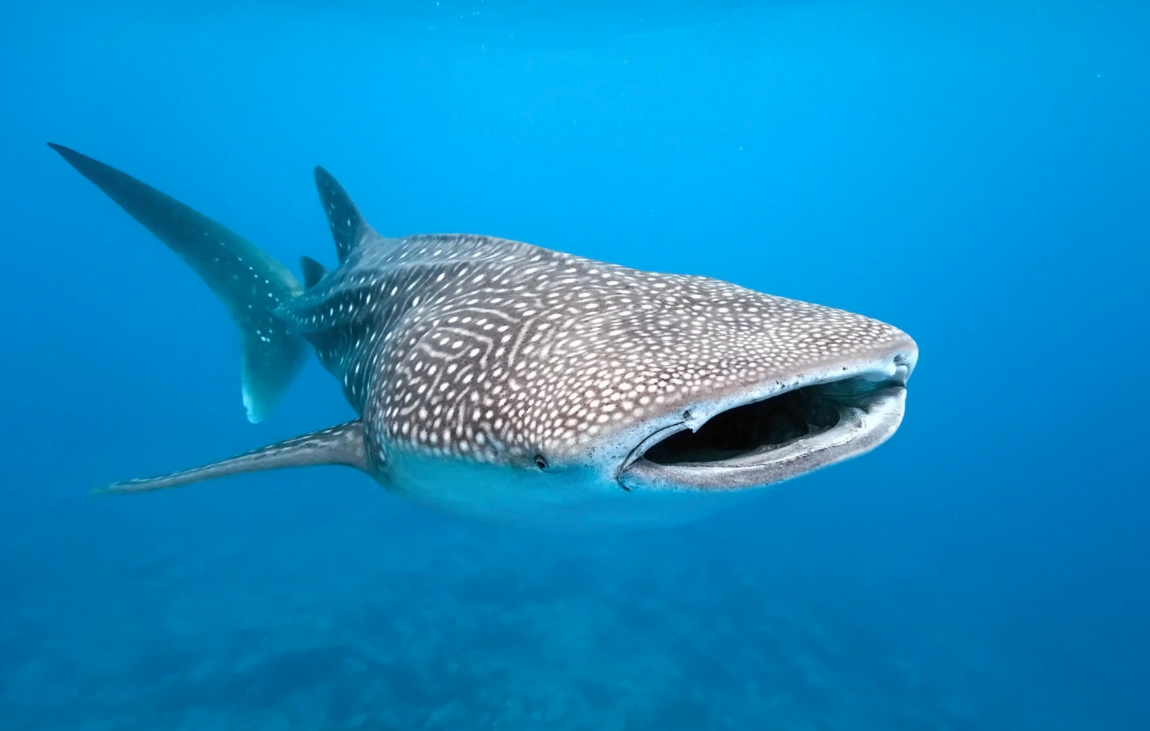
250, 283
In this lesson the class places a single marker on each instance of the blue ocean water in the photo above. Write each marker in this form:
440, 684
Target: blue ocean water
975, 173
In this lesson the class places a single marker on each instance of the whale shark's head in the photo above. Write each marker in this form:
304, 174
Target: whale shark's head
626, 389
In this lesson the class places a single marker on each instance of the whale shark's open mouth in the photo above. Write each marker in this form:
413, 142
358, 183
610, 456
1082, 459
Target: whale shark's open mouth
770, 440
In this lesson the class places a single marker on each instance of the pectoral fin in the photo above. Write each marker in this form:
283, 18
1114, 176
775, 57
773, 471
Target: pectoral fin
339, 445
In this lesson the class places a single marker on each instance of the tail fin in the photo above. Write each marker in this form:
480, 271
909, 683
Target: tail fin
250, 283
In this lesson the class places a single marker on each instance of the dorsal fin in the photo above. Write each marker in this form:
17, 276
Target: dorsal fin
339, 445
312, 270
347, 223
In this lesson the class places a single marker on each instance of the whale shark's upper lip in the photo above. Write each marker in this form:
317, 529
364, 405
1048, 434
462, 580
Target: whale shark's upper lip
755, 441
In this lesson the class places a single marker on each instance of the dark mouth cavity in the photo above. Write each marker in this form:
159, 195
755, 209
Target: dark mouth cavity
764, 425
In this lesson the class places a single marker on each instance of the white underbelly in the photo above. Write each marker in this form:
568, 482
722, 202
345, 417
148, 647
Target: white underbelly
576, 499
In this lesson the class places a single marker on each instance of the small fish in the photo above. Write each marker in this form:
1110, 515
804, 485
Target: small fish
501, 380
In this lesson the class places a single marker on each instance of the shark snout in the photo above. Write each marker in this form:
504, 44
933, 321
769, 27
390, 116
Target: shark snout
904, 358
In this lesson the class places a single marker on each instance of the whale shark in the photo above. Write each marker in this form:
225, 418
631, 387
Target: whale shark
501, 380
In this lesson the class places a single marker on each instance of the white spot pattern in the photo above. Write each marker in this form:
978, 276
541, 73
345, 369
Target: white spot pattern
494, 350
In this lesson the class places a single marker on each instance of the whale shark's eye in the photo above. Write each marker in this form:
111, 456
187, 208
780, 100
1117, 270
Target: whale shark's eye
540, 462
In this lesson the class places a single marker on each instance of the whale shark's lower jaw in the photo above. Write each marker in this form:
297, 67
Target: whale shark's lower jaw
761, 442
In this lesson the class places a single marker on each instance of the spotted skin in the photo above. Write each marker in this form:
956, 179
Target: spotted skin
491, 350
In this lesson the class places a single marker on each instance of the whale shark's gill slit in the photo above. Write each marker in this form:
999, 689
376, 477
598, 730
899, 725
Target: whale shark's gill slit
762, 426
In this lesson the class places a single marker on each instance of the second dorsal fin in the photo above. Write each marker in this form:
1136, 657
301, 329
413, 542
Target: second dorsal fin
347, 223
312, 270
